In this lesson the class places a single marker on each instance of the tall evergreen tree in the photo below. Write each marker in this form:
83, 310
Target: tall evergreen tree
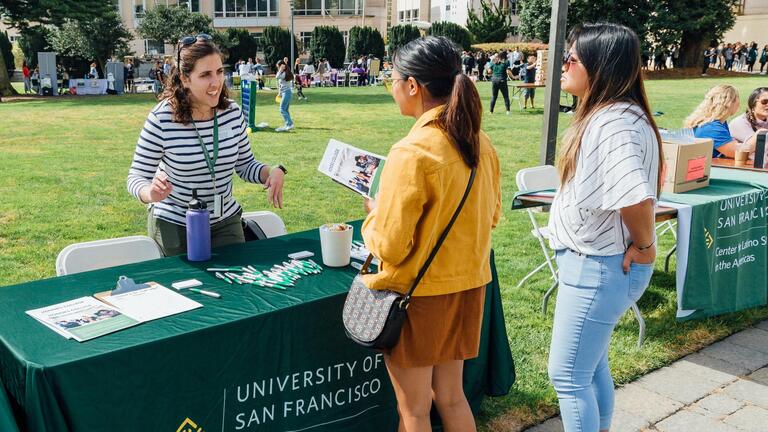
364, 41
168, 24
400, 35
492, 25
328, 42
276, 44
458, 34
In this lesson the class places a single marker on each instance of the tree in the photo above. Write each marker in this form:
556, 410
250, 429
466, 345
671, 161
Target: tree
328, 42
19, 13
7, 48
364, 41
492, 25
400, 35
97, 39
168, 24
534, 19
276, 44
691, 25
238, 43
458, 34
34, 40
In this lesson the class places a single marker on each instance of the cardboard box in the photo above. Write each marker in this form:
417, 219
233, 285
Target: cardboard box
687, 165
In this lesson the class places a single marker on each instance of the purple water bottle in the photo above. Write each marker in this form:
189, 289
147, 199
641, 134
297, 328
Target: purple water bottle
198, 230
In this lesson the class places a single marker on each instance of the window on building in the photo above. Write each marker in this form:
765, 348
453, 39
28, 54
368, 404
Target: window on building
341, 7
447, 7
514, 5
192, 5
308, 7
408, 15
154, 47
139, 6
401, 16
244, 8
305, 38
415, 15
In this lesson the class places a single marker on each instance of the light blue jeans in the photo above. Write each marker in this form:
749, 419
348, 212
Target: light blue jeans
285, 102
593, 294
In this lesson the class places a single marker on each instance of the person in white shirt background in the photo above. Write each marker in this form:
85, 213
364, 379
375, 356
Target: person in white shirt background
602, 218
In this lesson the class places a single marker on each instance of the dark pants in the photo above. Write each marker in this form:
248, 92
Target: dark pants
496, 85
704, 68
750, 66
172, 238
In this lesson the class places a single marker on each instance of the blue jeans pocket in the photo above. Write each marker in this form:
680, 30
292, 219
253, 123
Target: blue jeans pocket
639, 278
579, 271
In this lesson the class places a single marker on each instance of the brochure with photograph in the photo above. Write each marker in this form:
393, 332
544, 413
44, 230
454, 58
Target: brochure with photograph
352, 167
82, 319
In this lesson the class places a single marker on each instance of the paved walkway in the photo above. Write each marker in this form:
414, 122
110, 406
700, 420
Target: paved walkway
722, 388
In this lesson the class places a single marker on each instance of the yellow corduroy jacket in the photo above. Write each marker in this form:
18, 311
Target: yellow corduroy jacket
423, 180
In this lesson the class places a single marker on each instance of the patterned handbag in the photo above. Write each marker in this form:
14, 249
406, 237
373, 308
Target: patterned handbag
374, 318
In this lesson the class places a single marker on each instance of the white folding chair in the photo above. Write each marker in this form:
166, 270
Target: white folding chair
270, 223
353, 77
542, 178
531, 179
94, 255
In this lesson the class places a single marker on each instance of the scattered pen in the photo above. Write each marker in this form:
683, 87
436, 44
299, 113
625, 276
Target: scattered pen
206, 293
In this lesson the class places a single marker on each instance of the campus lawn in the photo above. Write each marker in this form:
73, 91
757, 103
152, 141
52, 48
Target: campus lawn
64, 164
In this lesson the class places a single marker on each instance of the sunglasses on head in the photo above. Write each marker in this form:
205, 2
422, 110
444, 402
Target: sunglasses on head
189, 40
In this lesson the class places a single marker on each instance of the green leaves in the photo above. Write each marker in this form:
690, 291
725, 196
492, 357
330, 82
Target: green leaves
400, 35
328, 42
276, 44
168, 24
364, 41
458, 34
492, 25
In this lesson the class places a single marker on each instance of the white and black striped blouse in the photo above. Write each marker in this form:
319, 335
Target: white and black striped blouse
174, 148
617, 167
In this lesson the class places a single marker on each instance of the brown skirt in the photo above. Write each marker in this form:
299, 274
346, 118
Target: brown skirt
440, 328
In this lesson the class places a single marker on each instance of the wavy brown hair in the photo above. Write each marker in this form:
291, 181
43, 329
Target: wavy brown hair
176, 94
611, 55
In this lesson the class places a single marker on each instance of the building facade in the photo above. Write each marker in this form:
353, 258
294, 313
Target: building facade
751, 22
422, 13
255, 15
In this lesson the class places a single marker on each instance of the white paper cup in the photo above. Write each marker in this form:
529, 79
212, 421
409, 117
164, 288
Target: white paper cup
336, 243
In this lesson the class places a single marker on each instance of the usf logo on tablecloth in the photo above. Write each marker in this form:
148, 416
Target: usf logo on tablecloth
708, 238
189, 426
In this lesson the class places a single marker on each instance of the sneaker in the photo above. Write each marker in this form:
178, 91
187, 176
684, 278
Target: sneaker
289, 127
509, 113
283, 129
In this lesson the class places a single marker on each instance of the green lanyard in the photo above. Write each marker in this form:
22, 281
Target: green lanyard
211, 160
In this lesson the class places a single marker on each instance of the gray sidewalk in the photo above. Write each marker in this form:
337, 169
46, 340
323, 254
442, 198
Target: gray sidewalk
722, 388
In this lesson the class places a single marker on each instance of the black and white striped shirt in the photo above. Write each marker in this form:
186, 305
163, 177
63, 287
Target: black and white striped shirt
174, 148
617, 167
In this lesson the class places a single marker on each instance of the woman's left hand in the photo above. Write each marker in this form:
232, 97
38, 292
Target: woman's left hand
274, 187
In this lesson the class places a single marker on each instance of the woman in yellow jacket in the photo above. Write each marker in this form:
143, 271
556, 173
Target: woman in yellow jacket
423, 181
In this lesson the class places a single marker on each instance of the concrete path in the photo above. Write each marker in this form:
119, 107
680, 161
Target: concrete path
722, 388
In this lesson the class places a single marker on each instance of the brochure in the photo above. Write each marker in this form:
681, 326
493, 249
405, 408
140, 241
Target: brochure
352, 167
151, 303
83, 319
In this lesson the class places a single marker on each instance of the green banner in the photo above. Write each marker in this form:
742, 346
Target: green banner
255, 360
727, 248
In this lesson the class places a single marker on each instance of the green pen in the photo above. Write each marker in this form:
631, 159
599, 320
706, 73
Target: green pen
222, 277
206, 293
224, 269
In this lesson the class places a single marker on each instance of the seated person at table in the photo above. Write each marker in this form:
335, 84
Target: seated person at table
709, 120
754, 119
193, 141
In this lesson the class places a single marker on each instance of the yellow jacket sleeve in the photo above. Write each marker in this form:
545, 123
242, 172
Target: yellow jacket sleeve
389, 229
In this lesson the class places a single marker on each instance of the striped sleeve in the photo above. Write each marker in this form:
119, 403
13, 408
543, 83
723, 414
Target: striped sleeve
146, 158
622, 172
247, 167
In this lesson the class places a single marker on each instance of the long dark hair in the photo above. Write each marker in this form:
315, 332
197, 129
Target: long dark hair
435, 63
751, 103
288, 73
611, 55
175, 92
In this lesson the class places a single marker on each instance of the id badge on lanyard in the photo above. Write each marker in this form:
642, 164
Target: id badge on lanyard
218, 201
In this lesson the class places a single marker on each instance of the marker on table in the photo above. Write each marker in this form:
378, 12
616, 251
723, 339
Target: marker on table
206, 293
222, 277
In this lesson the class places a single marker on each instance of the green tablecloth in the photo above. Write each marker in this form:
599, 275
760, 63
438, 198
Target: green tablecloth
722, 244
254, 360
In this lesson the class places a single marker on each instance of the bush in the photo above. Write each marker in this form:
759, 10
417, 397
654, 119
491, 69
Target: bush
328, 42
525, 48
276, 44
364, 41
400, 35
458, 34
241, 45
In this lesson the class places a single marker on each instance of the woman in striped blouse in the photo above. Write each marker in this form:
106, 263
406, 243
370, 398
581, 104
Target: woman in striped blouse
602, 219
192, 142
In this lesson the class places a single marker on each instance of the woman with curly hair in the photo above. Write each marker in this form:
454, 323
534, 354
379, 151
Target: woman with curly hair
191, 143
710, 120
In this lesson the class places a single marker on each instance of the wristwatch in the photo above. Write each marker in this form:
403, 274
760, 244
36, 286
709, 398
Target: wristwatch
282, 168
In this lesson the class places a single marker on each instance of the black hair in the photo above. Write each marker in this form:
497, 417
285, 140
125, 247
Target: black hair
751, 103
435, 63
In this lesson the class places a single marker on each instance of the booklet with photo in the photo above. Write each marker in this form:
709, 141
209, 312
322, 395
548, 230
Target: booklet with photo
352, 167
83, 319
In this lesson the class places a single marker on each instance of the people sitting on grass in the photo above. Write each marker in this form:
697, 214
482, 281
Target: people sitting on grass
710, 120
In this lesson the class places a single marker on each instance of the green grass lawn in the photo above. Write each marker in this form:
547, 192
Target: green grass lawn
64, 164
